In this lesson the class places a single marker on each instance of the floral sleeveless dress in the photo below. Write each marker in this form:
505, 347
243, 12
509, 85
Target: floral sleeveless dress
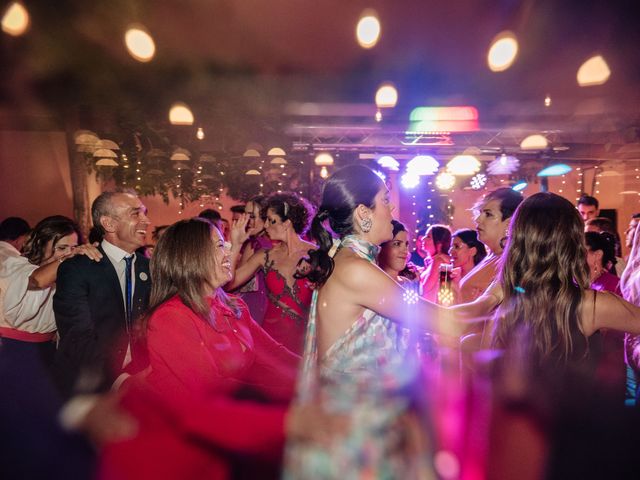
369, 374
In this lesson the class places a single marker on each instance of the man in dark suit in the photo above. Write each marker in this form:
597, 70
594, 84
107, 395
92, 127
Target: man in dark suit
96, 304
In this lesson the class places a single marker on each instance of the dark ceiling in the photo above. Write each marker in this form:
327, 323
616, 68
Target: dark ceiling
237, 63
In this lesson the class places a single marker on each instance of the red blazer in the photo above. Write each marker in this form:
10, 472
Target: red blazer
192, 422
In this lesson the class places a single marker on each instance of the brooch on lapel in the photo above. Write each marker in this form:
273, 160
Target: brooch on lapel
143, 276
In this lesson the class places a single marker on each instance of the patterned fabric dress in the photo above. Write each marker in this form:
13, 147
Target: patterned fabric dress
287, 308
368, 374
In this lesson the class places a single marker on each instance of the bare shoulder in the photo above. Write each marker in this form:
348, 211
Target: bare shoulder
604, 310
355, 272
482, 275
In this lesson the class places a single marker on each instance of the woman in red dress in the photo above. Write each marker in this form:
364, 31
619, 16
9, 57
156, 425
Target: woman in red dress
218, 386
288, 298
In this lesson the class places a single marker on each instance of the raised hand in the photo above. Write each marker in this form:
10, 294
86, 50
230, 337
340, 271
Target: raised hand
239, 233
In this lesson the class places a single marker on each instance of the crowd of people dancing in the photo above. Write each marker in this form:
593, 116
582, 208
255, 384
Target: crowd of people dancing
309, 342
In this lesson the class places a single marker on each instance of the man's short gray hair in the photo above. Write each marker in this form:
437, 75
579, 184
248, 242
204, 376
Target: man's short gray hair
102, 206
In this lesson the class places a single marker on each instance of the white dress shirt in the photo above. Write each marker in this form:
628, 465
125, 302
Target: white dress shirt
7, 250
23, 309
116, 256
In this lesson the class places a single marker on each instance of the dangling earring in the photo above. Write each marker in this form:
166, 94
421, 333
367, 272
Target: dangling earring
503, 240
365, 225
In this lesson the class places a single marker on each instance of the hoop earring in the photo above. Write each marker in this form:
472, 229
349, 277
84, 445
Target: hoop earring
365, 225
503, 242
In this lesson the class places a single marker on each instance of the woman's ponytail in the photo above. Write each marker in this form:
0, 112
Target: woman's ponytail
320, 264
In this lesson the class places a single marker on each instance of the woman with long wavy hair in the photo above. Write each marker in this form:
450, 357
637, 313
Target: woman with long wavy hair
548, 323
545, 284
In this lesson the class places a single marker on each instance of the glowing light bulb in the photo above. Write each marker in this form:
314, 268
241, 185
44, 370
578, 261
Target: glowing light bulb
180, 114
323, 159
389, 162
368, 29
445, 181
594, 71
386, 96
503, 52
140, 44
410, 180
15, 20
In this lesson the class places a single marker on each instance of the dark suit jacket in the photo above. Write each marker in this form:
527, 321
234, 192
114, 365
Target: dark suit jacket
90, 316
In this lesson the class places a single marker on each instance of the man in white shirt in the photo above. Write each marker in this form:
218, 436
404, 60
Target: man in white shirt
96, 307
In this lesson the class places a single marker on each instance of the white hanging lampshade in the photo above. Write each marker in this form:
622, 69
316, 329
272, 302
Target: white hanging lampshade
276, 152
463, 165
423, 165
85, 136
106, 162
252, 172
110, 144
251, 152
104, 153
181, 155
323, 159
278, 161
86, 141
534, 142
387, 161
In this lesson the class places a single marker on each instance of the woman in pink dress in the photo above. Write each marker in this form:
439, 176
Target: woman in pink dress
288, 298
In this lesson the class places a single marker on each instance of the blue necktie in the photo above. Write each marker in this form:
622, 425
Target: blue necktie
128, 291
